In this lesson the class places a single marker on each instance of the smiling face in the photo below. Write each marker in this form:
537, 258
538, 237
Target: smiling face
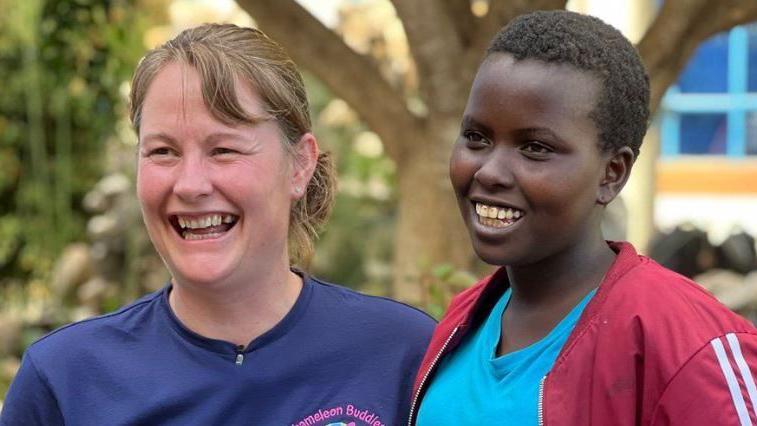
215, 197
526, 168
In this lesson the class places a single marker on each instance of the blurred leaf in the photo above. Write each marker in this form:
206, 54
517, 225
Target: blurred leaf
10, 239
443, 271
59, 107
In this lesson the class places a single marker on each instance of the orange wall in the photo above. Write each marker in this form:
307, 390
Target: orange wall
707, 175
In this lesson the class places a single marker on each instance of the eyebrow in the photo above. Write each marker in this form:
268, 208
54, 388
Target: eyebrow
537, 131
211, 138
159, 136
469, 121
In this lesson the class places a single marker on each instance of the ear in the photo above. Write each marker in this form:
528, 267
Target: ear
303, 164
617, 169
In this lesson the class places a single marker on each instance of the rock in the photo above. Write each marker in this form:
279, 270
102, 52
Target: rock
102, 227
95, 202
103, 195
99, 251
751, 277
718, 281
736, 291
742, 299
114, 184
72, 268
9, 367
10, 334
737, 253
81, 313
92, 293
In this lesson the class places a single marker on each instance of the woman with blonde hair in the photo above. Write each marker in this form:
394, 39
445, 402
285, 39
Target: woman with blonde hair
232, 188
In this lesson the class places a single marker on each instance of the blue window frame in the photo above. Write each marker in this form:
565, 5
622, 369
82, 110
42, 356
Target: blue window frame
712, 110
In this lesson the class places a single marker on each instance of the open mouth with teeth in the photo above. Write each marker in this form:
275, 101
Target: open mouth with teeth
497, 217
203, 227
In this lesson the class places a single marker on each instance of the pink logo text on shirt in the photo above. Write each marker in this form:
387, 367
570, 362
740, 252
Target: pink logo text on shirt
341, 415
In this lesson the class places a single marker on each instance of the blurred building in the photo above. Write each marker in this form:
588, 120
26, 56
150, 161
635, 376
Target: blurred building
708, 131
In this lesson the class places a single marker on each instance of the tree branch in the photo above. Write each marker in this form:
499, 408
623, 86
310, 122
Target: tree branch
503, 11
460, 14
436, 48
350, 75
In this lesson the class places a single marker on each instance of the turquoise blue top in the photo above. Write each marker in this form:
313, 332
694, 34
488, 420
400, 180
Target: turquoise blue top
475, 387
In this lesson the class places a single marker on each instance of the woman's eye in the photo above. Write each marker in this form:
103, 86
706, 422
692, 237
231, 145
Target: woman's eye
474, 139
162, 151
536, 148
223, 151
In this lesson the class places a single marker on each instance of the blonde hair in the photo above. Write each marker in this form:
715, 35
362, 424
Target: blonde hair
222, 54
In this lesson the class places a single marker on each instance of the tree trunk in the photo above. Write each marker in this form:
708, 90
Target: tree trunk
447, 42
429, 231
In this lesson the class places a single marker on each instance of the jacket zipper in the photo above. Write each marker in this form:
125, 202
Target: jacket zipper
541, 400
428, 371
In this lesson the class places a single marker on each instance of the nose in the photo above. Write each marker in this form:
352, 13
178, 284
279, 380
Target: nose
496, 171
193, 181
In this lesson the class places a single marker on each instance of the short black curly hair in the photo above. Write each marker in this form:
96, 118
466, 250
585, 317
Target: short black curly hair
585, 42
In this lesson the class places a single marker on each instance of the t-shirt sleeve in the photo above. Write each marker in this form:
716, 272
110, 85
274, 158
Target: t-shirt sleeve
30, 400
716, 386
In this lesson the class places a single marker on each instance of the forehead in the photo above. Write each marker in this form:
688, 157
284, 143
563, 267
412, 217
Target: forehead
175, 93
533, 86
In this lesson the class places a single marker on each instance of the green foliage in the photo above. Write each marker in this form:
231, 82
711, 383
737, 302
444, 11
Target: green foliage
10, 228
441, 283
62, 63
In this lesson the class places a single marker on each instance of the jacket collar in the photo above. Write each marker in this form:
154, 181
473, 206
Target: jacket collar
492, 287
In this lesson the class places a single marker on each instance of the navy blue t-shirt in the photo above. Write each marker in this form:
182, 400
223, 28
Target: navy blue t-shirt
338, 357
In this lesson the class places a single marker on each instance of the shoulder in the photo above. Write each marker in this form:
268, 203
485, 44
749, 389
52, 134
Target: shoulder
74, 339
722, 374
30, 399
664, 317
381, 311
664, 297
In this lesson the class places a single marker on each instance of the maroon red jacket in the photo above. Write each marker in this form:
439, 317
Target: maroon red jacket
651, 348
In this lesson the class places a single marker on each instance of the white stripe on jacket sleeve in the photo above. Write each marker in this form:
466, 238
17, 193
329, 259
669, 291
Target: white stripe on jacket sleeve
733, 384
746, 373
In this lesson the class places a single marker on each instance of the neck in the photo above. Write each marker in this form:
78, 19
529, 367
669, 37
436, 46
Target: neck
236, 313
545, 292
563, 277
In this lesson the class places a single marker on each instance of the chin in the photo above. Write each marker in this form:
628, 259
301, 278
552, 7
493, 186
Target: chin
497, 255
490, 255
205, 281
199, 273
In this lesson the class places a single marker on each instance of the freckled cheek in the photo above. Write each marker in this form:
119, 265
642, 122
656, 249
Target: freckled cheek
256, 192
152, 185
246, 181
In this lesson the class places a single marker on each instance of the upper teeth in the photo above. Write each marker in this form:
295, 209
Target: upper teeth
204, 221
501, 213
